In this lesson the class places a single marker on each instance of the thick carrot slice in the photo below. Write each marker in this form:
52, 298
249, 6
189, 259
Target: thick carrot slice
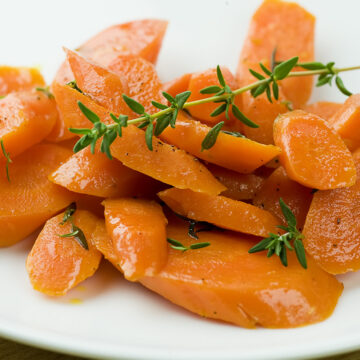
221, 211
346, 120
103, 86
26, 118
55, 265
19, 79
247, 155
165, 163
29, 199
278, 185
332, 229
224, 282
202, 80
141, 78
324, 109
95, 174
178, 85
288, 28
239, 186
140, 37
137, 228
312, 153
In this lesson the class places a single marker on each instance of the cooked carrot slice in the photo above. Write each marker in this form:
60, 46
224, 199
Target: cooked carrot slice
246, 155
137, 228
101, 85
177, 85
332, 228
202, 80
141, 78
19, 79
278, 185
312, 153
165, 163
221, 211
29, 199
95, 174
324, 109
140, 37
288, 28
224, 282
55, 265
346, 120
26, 118
239, 186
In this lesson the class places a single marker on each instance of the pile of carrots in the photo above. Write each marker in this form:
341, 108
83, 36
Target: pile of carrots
131, 209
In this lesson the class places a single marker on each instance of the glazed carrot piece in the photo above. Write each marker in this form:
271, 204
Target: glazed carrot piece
239, 186
290, 29
140, 37
55, 265
29, 199
346, 120
202, 80
177, 85
247, 155
137, 228
332, 229
91, 203
165, 163
19, 79
312, 153
101, 85
224, 282
26, 118
97, 175
141, 78
278, 185
221, 211
324, 109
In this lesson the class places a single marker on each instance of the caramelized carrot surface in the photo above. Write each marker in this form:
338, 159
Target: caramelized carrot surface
224, 282
178, 85
324, 109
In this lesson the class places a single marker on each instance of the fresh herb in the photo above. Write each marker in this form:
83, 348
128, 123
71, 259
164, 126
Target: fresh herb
211, 137
76, 232
279, 244
177, 245
233, 133
73, 85
8, 160
288, 104
46, 91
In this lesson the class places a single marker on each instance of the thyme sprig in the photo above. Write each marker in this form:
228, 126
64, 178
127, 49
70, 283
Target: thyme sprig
76, 232
266, 83
8, 159
46, 91
177, 245
279, 244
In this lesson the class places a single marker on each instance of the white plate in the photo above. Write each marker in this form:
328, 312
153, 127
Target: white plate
118, 319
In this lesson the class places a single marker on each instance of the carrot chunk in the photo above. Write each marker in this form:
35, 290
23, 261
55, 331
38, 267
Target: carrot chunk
55, 265
312, 153
137, 228
224, 282
324, 109
221, 211
178, 85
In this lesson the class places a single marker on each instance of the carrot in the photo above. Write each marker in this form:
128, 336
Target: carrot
239, 186
278, 185
202, 80
332, 229
137, 228
312, 153
178, 85
55, 265
224, 282
95, 174
26, 119
29, 199
288, 28
221, 211
19, 79
165, 163
324, 109
247, 155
